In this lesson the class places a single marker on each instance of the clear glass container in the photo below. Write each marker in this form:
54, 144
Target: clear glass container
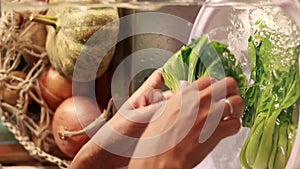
143, 37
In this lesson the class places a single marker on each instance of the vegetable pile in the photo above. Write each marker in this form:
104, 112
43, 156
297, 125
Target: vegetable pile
39, 86
69, 30
270, 97
271, 103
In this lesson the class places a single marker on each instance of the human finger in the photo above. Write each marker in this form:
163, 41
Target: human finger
145, 114
154, 81
151, 88
155, 96
204, 82
183, 84
168, 94
226, 128
223, 88
232, 106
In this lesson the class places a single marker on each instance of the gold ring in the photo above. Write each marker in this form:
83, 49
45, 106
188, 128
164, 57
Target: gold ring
230, 106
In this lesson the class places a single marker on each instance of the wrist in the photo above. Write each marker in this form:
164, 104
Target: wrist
157, 162
93, 156
127, 127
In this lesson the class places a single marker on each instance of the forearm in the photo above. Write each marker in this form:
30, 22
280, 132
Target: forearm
94, 156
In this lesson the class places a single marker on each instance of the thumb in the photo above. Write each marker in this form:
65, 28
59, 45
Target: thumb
154, 81
150, 92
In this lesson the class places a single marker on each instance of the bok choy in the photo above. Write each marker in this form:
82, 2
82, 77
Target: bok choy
202, 58
270, 100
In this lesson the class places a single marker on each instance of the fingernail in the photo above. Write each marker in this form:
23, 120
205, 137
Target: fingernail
183, 84
167, 94
155, 96
213, 80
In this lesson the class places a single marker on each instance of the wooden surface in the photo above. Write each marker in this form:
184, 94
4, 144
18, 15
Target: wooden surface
14, 154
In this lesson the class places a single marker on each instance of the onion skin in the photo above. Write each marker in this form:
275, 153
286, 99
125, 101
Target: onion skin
36, 35
55, 88
47, 145
72, 115
11, 96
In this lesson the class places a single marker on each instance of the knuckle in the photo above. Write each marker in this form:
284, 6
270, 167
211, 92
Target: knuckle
157, 72
239, 105
231, 82
204, 82
205, 96
236, 126
239, 101
234, 130
205, 79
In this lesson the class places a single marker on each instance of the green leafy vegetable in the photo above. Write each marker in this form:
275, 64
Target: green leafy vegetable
274, 95
271, 109
199, 59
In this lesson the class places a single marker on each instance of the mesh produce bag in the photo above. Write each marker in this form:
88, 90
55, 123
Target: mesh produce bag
23, 110
26, 115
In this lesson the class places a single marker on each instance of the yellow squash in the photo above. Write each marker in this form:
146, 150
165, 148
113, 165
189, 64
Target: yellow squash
73, 31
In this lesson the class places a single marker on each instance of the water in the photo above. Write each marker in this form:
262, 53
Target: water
242, 22
281, 29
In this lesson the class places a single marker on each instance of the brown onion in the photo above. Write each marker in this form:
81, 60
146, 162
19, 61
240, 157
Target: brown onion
72, 115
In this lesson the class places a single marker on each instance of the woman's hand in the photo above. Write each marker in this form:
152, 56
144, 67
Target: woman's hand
164, 130
96, 154
191, 124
